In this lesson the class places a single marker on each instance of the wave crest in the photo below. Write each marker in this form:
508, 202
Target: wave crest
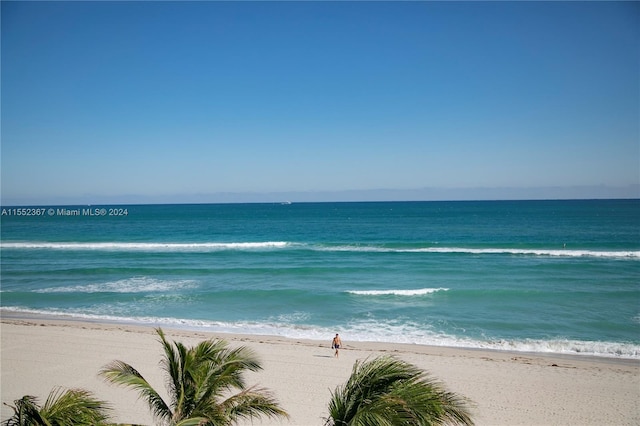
416, 292
153, 247
362, 332
129, 285
276, 245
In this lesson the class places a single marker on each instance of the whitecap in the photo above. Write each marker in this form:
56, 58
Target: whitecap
396, 292
127, 285
364, 331
146, 247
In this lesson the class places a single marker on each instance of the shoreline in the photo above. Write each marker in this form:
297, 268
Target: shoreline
30, 315
70, 321
507, 388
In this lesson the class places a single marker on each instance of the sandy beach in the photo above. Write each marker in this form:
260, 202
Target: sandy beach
506, 388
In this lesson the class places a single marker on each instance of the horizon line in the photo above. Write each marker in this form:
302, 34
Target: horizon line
594, 192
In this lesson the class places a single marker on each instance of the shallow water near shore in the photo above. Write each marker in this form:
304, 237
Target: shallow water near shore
536, 276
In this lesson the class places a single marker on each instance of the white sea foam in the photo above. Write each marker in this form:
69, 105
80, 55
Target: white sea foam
629, 254
416, 292
128, 285
393, 332
270, 245
152, 247
534, 252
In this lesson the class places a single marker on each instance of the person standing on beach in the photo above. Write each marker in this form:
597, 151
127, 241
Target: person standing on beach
336, 344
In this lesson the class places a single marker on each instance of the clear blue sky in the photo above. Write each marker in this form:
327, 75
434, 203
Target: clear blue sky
248, 101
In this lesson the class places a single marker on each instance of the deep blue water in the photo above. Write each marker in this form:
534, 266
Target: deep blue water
549, 276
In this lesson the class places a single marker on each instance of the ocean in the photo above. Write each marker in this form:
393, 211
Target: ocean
535, 276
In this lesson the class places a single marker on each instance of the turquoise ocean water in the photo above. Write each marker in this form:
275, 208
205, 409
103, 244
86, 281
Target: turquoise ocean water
541, 276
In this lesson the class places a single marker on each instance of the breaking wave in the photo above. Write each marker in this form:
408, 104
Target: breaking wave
129, 285
278, 245
416, 292
145, 247
358, 332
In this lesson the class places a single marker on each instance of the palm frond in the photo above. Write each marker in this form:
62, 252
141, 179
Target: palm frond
251, 403
25, 412
172, 364
388, 391
62, 407
432, 403
219, 370
123, 374
197, 380
77, 405
193, 421
369, 380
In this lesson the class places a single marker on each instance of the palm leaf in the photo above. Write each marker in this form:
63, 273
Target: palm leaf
388, 391
121, 373
25, 412
180, 382
252, 403
70, 407
194, 421
77, 405
74, 406
198, 378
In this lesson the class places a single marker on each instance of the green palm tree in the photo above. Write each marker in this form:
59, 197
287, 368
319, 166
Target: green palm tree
199, 382
389, 392
70, 407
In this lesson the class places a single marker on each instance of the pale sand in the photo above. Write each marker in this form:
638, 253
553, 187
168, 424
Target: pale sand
506, 388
